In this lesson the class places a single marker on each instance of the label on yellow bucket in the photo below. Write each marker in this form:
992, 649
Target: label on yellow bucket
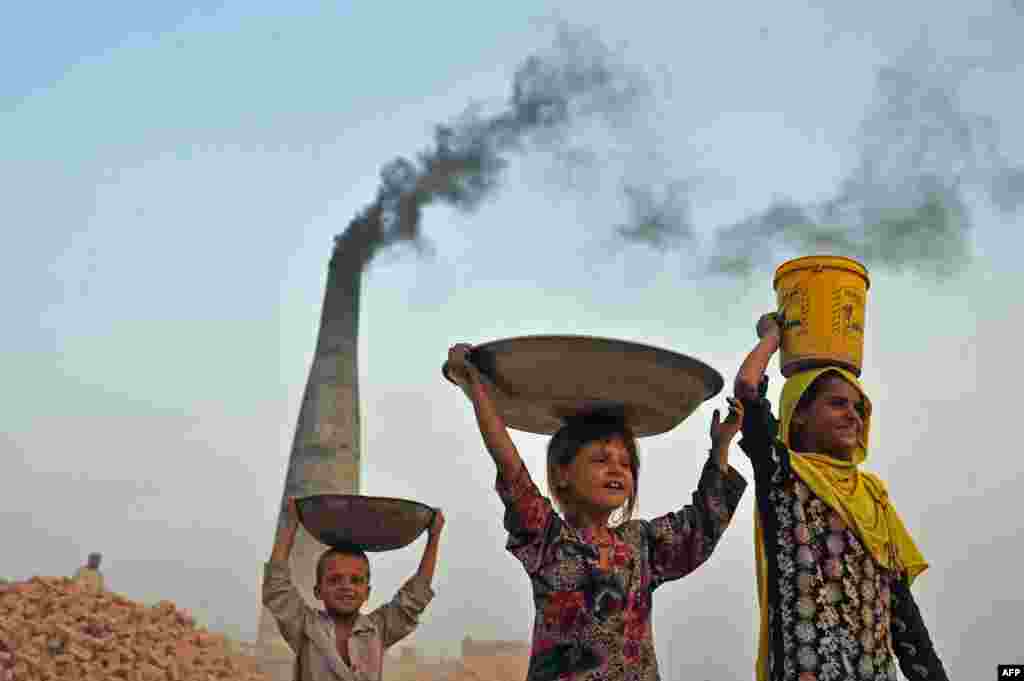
848, 313
793, 305
821, 303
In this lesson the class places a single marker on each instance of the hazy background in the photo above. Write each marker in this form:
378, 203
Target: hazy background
172, 177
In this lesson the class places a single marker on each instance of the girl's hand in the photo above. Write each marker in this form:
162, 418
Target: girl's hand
722, 432
769, 331
459, 368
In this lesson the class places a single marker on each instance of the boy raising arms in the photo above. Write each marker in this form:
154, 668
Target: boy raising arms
339, 643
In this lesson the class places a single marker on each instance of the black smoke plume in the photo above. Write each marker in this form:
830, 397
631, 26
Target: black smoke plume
902, 206
578, 78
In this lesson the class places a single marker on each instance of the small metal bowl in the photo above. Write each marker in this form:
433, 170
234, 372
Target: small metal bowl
367, 523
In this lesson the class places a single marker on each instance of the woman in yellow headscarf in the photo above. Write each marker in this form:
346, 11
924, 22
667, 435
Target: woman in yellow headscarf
834, 560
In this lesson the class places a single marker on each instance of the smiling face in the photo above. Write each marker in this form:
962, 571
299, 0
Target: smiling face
599, 480
593, 468
832, 422
344, 583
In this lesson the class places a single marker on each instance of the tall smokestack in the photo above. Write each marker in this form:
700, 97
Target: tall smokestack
325, 452
576, 79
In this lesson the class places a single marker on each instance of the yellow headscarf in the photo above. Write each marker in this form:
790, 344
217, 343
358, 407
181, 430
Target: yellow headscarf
860, 498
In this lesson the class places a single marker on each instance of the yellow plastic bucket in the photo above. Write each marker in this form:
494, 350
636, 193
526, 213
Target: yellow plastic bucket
821, 311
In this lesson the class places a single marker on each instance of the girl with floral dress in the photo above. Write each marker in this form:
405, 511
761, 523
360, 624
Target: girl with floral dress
592, 580
834, 560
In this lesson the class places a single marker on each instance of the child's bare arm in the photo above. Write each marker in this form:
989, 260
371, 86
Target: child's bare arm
429, 560
748, 378
492, 425
286, 535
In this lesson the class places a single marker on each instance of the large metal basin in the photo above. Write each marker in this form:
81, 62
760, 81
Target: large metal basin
540, 381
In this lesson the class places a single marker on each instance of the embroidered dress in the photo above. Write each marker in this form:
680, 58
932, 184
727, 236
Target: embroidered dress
833, 613
594, 623
834, 602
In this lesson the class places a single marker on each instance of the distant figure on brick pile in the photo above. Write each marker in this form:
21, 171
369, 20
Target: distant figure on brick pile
339, 643
89, 577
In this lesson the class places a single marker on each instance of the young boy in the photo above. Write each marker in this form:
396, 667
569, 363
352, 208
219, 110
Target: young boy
339, 643
834, 560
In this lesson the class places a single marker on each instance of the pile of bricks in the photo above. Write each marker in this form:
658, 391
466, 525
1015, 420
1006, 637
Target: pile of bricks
52, 630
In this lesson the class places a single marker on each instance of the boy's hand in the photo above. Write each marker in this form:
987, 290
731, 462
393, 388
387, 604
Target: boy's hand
291, 522
429, 560
722, 432
286, 533
437, 524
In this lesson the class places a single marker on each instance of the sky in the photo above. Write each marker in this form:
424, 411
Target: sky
173, 177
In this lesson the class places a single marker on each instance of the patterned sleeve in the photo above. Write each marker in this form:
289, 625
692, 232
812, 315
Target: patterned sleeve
911, 641
680, 542
760, 430
531, 522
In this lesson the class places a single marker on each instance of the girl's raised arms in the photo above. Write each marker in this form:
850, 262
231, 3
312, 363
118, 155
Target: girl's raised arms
748, 378
492, 425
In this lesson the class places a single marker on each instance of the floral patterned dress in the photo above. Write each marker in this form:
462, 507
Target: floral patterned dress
833, 613
593, 623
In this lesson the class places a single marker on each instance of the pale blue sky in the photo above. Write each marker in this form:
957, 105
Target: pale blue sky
173, 177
